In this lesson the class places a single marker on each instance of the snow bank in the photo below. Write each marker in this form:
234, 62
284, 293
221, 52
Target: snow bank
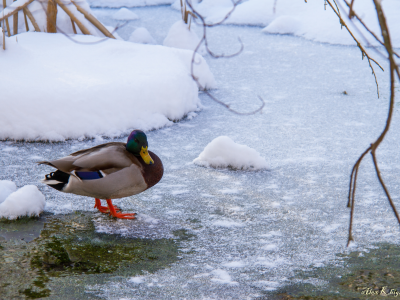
38, 11
308, 20
142, 36
127, 3
70, 90
27, 201
180, 36
223, 152
125, 14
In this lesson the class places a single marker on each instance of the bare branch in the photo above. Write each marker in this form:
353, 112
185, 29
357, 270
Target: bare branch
354, 14
394, 68
363, 51
204, 39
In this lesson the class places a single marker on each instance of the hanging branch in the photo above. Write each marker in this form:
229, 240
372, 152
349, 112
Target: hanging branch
363, 51
372, 148
204, 39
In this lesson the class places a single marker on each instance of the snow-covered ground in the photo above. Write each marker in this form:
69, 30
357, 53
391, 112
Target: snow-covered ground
252, 230
307, 19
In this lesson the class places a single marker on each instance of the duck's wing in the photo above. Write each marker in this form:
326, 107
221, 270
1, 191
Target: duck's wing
107, 158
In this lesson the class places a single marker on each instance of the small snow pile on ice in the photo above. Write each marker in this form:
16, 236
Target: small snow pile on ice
39, 13
283, 25
26, 201
69, 90
137, 279
223, 152
125, 14
142, 36
222, 276
180, 36
127, 3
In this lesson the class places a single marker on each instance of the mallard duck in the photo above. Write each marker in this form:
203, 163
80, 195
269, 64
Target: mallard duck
108, 171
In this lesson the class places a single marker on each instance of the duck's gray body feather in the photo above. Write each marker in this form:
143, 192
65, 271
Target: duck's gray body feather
124, 173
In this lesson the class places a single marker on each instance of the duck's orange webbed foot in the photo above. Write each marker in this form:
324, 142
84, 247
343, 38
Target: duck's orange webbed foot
103, 209
116, 214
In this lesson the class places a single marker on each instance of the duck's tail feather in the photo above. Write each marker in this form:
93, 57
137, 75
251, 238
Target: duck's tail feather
57, 180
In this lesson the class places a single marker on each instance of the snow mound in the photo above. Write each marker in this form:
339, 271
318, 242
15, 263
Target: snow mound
283, 25
127, 3
27, 201
69, 90
223, 152
142, 36
180, 36
39, 13
125, 14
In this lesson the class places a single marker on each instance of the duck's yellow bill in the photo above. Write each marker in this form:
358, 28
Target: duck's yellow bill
146, 156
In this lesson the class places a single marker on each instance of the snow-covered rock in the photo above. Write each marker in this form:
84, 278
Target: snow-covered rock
127, 3
223, 152
125, 14
180, 36
142, 36
26, 201
70, 90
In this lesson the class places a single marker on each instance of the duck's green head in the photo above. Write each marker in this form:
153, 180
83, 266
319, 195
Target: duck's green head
137, 145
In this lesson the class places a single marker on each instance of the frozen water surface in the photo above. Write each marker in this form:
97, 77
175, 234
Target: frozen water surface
252, 230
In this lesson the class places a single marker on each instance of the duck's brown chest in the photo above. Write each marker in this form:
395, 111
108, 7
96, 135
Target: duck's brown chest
153, 173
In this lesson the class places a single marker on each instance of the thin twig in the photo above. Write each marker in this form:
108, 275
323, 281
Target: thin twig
204, 39
354, 14
363, 51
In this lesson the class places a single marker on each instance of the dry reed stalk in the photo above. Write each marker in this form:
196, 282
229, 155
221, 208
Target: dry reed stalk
73, 27
93, 20
26, 21
4, 36
15, 22
18, 8
7, 24
72, 16
51, 16
32, 19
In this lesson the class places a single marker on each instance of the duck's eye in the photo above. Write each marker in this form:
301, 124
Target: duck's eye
136, 140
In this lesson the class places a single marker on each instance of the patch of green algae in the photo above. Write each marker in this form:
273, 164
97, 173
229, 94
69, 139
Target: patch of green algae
69, 254
362, 276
